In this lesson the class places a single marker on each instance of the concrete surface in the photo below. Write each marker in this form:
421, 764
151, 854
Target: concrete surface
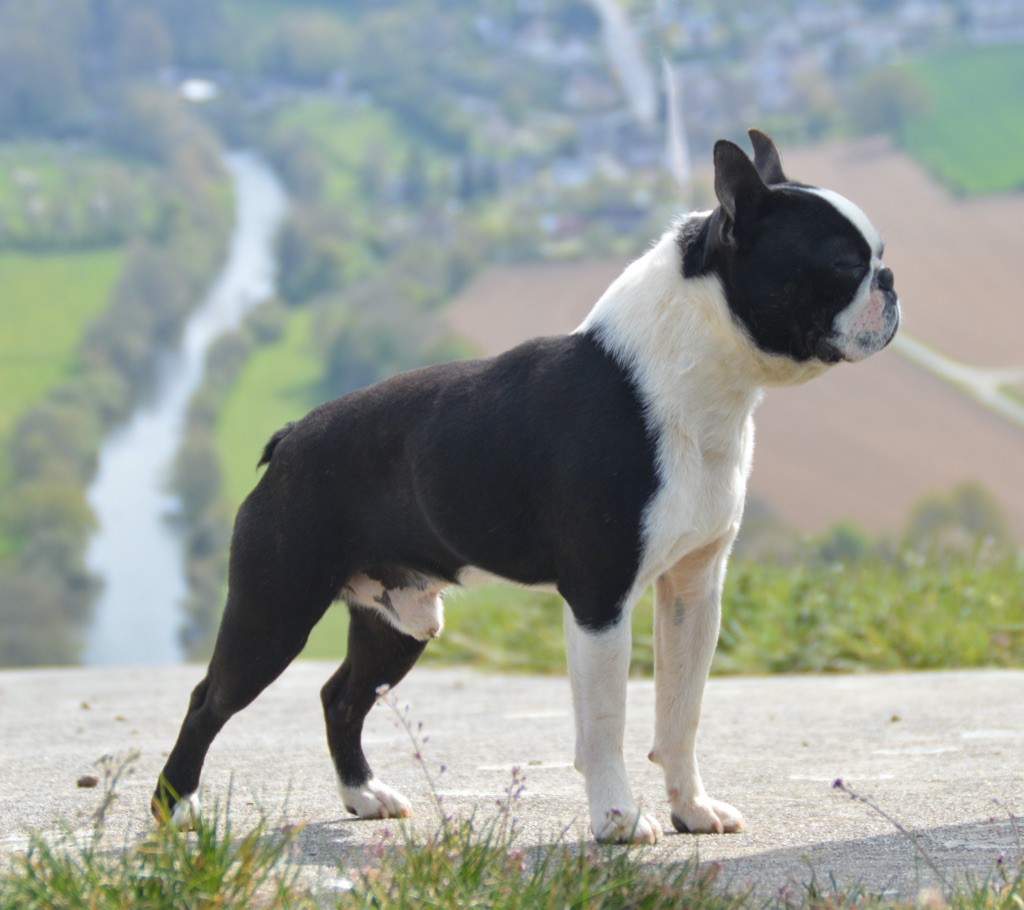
940, 752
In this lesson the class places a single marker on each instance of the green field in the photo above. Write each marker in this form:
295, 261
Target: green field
46, 301
973, 131
275, 386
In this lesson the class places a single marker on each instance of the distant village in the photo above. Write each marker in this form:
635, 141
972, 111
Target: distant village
643, 88
789, 53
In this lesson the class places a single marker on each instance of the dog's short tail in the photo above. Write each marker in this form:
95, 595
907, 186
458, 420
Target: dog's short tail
268, 449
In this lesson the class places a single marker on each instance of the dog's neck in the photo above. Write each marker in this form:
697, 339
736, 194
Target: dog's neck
693, 363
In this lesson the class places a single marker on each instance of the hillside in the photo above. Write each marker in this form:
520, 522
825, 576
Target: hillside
970, 131
867, 442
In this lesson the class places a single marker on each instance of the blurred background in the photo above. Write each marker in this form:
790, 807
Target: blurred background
215, 214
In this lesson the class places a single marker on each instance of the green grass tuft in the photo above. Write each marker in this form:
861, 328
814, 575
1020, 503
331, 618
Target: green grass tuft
470, 862
478, 864
211, 868
164, 869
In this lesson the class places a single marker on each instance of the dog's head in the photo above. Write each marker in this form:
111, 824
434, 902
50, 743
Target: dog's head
801, 267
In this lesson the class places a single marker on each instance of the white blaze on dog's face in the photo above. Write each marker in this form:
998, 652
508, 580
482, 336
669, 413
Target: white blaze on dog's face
869, 323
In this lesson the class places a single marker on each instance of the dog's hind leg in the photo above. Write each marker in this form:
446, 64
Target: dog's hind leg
378, 655
274, 600
598, 668
687, 610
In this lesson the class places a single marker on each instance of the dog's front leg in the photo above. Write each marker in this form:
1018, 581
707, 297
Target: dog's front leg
687, 613
598, 668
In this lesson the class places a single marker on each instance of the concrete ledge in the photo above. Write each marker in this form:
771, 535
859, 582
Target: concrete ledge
935, 750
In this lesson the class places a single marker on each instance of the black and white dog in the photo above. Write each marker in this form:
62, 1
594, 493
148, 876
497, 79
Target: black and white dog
598, 463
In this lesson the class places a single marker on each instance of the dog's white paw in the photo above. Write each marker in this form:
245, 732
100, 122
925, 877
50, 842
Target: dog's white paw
186, 813
630, 826
703, 815
375, 800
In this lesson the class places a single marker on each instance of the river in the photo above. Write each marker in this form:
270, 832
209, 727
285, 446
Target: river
136, 551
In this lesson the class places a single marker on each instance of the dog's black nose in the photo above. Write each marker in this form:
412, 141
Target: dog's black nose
886, 281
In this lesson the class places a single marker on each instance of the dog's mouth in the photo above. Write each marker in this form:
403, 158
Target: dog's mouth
828, 352
897, 318
892, 314
833, 349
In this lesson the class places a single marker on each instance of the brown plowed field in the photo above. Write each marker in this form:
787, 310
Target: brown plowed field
864, 442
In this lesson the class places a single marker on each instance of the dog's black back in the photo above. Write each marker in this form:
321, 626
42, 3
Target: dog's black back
534, 466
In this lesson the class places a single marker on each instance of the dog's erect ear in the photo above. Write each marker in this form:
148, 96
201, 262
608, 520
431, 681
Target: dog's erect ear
738, 186
767, 159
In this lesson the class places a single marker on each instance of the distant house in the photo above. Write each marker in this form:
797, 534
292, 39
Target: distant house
590, 90
617, 134
997, 21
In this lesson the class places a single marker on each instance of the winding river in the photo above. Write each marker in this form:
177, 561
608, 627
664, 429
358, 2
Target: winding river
136, 551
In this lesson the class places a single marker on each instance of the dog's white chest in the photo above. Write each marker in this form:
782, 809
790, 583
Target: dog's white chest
701, 497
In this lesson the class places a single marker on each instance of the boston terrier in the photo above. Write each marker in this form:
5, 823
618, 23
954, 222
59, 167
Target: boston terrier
599, 463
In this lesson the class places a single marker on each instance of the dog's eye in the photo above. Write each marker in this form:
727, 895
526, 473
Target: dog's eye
848, 265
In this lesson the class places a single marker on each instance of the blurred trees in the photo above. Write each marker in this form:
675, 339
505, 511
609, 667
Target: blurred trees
144, 42
885, 99
307, 47
958, 519
40, 86
957, 522
818, 100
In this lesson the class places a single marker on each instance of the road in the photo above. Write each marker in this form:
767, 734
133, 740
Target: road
940, 752
986, 385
